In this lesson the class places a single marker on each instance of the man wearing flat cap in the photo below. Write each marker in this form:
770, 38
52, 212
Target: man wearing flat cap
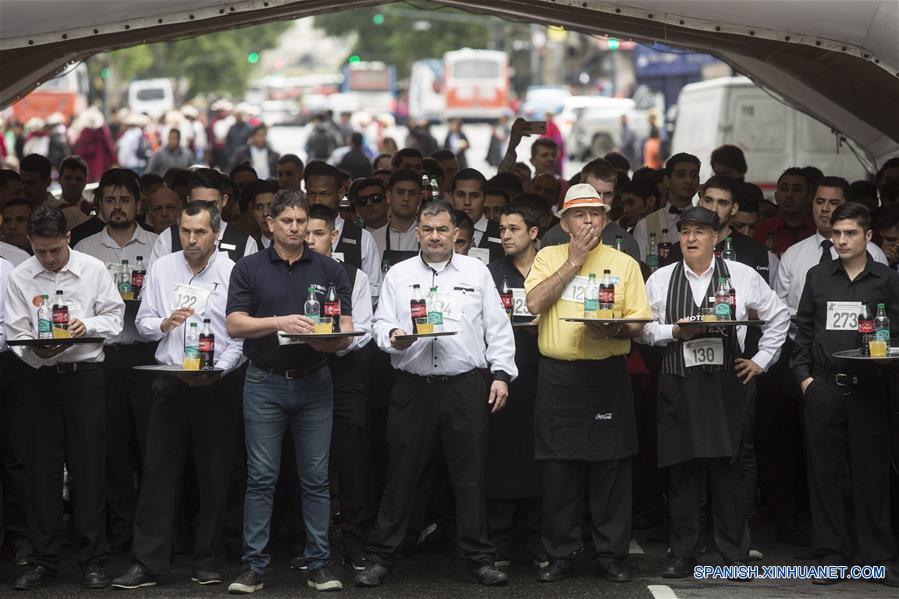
585, 429
701, 386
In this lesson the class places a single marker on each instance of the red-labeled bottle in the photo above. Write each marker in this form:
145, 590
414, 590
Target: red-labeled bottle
505, 294
418, 306
207, 346
865, 328
60, 315
332, 307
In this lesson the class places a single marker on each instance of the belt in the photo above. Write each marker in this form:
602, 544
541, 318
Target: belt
70, 367
294, 373
439, 378
841, 379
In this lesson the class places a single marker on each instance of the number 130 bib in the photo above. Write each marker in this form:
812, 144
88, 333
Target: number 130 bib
704, 352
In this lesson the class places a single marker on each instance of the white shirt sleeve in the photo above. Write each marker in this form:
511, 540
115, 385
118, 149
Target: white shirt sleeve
251, 248
109, 309
362, 313
162, 247
783, 279
655, 333
385, 318
641, 236
371, 263
774, 312
5, 268
877, 254
152, 310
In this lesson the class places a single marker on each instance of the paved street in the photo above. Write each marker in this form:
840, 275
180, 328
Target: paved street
432, 573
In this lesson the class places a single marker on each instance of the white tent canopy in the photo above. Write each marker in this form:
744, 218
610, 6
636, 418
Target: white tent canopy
837, 60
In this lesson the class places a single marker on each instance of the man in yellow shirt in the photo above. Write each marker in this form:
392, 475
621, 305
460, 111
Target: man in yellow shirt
585, 430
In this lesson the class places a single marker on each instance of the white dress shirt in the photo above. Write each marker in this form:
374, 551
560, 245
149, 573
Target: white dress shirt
795, 263
371, 257
641, 231
403, 241
266, 242
484, 334
362, 312
105, 249
89, 293
157, 305
5, 268
13, 254
752, 293
259, 161
163, 245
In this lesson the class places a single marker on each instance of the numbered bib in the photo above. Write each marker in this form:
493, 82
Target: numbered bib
185, 296
482, 254
843, 316
574, 292
704, 352
520, 303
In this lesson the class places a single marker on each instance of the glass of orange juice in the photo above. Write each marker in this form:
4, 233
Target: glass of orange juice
424, 325
877, 348
708, 314
325, 324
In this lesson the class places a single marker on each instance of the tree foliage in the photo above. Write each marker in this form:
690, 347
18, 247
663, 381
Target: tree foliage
406, 33
214, 63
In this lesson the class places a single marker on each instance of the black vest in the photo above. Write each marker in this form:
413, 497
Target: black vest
487, 241
680, 304
234, 236
351, 273
350, 244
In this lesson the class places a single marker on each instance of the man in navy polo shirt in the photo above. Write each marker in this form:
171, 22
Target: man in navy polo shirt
288, 386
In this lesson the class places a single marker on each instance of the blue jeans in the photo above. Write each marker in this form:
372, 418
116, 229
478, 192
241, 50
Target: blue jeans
271, 405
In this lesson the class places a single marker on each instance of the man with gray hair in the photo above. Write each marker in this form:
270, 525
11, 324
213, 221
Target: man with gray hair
197, 411
440, 396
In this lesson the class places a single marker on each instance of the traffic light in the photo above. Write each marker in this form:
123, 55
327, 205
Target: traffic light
353, 59
613, 44
378, 19
253, 57
104, 72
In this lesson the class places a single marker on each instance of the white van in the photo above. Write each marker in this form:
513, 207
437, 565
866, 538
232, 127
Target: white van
772, 135
153, 97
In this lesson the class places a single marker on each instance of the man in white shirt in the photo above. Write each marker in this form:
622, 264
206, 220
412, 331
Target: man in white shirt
65, 393
127, 399
350, 372
357, 245
701, 387
193, 412
440, 395
683, 170
208, 185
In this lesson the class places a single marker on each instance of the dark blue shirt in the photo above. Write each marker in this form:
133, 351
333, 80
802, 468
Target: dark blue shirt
264, 285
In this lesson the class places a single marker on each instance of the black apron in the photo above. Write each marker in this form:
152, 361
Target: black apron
584, 410
350, 244
701, 408
491, 240
393, 257
512, 472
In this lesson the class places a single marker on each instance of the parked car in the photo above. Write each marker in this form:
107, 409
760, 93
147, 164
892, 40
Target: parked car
598, 129
541, 99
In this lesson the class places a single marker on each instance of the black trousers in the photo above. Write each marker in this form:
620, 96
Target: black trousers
608, 485
723, 480
203, 421
847, 433
424, 416
15, 495
502, 519
66, 427
128, 401
348, 449
381, 384
778, 439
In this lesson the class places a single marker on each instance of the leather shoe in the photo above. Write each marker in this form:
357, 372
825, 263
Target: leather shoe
680, 567
95, 576
136, 577
612, 569
557, 570
890, 576
36, 578
372, 576
488, 575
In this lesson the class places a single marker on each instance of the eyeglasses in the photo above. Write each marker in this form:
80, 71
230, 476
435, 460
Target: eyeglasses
375, 198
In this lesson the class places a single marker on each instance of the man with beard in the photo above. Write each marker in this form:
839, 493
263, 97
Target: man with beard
513, 478
127, 402
793, 221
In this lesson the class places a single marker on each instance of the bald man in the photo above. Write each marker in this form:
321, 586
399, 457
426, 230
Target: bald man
161, 208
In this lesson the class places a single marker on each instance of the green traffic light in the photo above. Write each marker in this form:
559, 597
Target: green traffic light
613, 44
354, 59
104, 73
378, 19
253, 57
